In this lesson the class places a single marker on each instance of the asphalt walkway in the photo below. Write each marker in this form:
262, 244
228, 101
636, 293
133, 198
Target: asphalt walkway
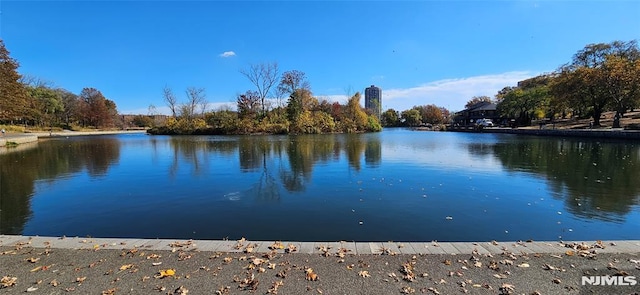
54, 265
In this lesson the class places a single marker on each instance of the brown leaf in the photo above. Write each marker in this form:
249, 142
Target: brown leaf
181, 291
276, 246
8, 281
506, 288
33, 259
408, 290
310, 275
291, 248
364, 273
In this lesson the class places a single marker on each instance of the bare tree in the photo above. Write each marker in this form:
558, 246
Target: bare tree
203, 107
195, 97
293, 80
170, 99
35, 82
348, 91
263, 76
152, 110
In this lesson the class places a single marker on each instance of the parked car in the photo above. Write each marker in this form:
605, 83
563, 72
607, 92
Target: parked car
484, 122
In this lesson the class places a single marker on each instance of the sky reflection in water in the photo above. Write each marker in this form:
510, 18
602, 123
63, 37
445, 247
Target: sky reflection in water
401, 185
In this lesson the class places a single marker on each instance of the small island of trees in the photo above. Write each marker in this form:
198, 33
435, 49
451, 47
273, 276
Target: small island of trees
263, 109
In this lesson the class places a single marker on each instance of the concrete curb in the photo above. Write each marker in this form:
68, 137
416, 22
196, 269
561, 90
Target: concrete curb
360, 248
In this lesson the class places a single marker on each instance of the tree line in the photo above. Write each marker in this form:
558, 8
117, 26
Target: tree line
600, 77
30, 101
277, 104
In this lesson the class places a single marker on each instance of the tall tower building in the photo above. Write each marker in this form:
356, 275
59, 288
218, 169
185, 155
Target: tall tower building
373, 100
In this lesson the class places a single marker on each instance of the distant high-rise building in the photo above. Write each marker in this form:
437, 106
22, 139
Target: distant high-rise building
373, 100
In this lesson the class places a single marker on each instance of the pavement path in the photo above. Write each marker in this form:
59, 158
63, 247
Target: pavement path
53, 265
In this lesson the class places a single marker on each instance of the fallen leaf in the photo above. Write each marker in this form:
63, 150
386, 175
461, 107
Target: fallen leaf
181, 291
274, 287
500, 276
33, 260
153, 256
570, 253
31, 289
54, 283
364, 273
126, 266
434, 290
556, 256
291, 248
408, 290
165, 273
523, 265
156, 263
310, 275
276, 245
257, 261
506, 289
109, 291
556, 281
80, 279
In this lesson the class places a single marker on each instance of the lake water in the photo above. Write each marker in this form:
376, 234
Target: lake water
397, 185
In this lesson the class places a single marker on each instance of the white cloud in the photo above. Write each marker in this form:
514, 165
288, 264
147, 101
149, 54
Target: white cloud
452, 94
227, 54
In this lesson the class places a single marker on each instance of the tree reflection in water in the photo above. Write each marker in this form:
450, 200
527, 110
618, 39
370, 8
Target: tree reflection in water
597, 179
46, 162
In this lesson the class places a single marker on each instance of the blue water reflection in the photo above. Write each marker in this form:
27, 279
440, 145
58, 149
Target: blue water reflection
398, 185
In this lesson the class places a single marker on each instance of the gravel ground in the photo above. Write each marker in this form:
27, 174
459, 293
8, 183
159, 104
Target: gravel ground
44, 270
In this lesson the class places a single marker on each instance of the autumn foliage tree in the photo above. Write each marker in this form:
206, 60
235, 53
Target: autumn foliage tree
477, 99
600, 77
96, 110
13, 95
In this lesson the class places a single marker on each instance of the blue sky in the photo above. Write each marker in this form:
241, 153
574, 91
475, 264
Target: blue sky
418, 52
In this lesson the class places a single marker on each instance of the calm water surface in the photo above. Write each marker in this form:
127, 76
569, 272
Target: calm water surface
395, 185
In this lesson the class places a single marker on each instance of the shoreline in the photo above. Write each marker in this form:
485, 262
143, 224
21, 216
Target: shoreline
583, 133
360, 248
21, 138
